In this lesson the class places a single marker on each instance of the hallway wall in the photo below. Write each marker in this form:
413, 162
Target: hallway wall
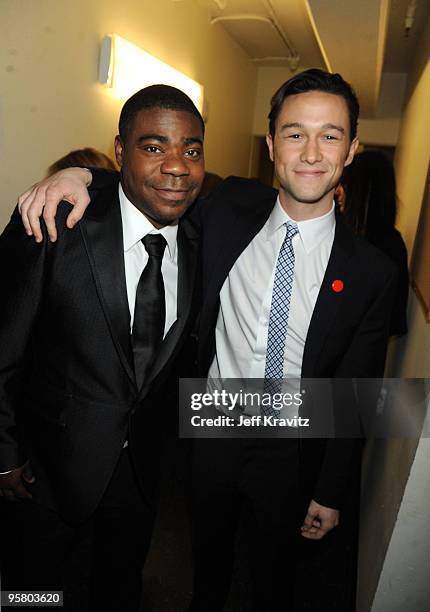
411, 163
51, 102
404, 583
396, 492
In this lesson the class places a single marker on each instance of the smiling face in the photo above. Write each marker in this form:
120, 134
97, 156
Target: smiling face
162, 163
310, 148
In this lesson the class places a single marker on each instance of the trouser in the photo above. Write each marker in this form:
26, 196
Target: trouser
259, 484
255, 482
36, 544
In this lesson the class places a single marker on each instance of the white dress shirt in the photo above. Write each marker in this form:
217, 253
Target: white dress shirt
136, 226
245, 298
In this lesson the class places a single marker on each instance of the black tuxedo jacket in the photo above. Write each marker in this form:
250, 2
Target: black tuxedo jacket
68, 395
348, 331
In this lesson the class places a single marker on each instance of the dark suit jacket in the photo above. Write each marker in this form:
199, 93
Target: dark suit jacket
68, 396
348, 331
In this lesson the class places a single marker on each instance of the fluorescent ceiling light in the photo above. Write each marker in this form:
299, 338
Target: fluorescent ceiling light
125, 69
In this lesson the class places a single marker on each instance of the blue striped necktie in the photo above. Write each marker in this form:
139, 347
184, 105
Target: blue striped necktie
278, 320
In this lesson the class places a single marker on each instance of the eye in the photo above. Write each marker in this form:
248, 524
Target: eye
294, 136
330, 137
151, 149
194, 153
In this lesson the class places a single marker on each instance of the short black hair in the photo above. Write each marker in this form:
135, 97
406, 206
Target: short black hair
155, 96
315, 79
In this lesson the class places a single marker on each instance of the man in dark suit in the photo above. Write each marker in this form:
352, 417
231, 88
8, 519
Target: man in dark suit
286, 291
89, 329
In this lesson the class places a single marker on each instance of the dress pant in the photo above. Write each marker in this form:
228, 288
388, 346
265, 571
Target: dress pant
36, 543
256, 482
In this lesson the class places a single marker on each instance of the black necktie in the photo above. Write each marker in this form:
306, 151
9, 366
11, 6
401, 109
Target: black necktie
149, 309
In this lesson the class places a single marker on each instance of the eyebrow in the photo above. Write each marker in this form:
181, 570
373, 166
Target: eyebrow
164, 139
326, 126
193, 140
291, 125
152, 136
332, 126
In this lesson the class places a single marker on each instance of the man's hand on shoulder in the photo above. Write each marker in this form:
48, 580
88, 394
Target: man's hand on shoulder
319, 520
43, 198
13, 483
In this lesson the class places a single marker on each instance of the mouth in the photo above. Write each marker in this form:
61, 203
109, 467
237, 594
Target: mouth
310, 173
173, 194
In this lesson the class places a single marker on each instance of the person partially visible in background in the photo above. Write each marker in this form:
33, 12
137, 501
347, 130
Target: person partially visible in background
82, 158
369, 206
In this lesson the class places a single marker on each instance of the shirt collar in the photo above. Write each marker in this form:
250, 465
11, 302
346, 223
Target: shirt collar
136, 226
312, 231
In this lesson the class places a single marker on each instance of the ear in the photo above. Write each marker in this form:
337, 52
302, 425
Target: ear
269, 142
352, 151
119, 150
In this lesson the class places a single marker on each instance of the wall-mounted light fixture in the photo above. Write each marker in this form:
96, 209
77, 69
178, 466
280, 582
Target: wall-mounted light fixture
125, 69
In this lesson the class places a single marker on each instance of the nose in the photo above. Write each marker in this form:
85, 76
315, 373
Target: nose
311, 152
175, 164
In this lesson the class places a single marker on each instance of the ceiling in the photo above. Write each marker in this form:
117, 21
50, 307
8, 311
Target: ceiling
399, 51
358, 38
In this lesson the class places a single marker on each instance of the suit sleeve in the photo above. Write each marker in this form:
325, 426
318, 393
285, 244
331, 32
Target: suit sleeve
365, 357
21, 280
364, 361
198, 211
102, 178
203, 210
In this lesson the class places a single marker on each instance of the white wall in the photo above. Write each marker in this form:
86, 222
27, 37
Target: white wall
404, 584
411, 163
395, 534
50, 101
384, 128
386, 472
269, 80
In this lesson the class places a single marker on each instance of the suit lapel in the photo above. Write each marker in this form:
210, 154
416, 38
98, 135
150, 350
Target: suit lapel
102, 232
328, 302
187, 265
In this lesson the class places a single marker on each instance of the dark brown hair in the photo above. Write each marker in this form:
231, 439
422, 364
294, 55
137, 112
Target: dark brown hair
315, 79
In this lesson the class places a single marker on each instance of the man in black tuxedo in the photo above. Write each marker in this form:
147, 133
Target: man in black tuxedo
333, 324
89, 329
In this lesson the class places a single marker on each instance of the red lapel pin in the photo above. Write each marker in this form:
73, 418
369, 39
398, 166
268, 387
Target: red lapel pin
337, 285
